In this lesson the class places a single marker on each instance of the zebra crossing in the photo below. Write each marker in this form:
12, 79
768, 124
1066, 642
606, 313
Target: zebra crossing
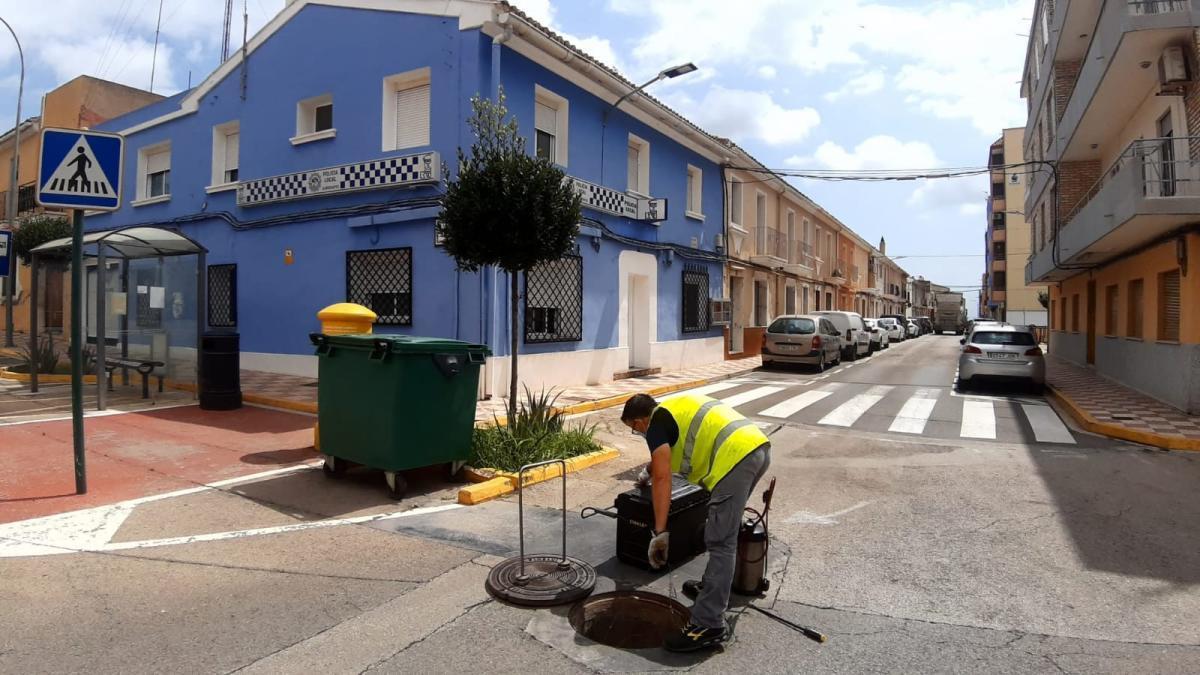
899, 409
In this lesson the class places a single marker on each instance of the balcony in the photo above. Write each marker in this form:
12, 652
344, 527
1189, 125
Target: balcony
770, 247
801, 259
26, 201
1145, 194
1128, 34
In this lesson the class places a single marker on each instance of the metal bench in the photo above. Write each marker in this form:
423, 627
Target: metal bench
144, 367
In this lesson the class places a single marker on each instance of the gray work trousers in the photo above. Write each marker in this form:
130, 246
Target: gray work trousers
725, 510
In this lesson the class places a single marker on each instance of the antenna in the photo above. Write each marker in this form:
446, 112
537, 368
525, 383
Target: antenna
225, 32
154, 57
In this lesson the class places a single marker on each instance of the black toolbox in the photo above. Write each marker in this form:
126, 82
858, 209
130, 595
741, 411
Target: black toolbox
634, 512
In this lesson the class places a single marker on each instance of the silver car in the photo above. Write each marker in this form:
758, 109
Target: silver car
879, 334
803, 338
1002, 352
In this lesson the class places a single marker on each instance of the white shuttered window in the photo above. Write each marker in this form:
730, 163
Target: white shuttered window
412, 117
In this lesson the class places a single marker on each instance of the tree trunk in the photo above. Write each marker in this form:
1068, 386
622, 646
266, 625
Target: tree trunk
512, 354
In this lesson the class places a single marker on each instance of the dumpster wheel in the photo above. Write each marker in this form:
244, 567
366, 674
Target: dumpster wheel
334, 467
396, 484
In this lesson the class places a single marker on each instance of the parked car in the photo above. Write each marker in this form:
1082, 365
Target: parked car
925, 324
879, 335
856, 341
977, 323
913, 329
807, 339
896, 330
1001, 352
900, 319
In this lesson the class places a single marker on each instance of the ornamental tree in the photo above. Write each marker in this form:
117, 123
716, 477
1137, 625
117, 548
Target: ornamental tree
506, 208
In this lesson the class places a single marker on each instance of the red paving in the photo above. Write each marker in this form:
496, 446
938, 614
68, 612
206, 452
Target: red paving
144, 453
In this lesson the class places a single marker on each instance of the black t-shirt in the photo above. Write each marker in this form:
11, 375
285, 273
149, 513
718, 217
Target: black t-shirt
662, 430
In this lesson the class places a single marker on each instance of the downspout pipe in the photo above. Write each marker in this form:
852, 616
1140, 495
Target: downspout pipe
488, 278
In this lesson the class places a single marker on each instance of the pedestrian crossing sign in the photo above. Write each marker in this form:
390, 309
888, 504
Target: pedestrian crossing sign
80, 169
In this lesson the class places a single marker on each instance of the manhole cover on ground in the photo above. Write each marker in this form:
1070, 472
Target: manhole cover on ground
628, 619
548, 580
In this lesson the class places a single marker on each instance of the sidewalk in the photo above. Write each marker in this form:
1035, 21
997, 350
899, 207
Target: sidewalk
300, 393
1105, 407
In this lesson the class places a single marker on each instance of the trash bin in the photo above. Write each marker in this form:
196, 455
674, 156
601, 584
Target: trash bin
220, 371
395, 402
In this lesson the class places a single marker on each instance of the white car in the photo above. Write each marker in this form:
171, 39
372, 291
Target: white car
895, 331
856, 341
879, 335
913, 330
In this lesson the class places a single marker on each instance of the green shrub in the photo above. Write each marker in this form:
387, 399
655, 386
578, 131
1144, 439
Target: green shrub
43, 354
535, 432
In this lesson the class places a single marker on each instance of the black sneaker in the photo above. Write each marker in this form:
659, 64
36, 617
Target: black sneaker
694, 638
692, 588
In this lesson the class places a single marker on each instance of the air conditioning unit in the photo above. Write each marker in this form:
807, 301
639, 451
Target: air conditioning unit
1172, 65
721, 312
719, 242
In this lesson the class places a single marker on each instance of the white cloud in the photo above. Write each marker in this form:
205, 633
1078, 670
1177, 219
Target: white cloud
877, 152
863, 85
738, 113
966, 196
544, 12
767, 72
944, 70
598, 47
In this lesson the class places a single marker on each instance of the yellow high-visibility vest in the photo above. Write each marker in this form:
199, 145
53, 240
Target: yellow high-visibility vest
713, 438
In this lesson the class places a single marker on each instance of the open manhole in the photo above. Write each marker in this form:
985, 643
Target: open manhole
628, 619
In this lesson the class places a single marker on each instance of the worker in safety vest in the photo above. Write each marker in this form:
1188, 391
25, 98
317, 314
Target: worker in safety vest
713, 446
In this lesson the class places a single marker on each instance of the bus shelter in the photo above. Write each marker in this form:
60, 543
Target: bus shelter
139, 286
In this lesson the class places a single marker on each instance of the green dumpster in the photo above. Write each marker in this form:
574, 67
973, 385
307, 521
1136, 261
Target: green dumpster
395, 402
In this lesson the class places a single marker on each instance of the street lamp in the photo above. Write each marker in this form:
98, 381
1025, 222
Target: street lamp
12, 197
665, 74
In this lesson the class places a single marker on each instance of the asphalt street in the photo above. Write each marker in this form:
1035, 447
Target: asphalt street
914, 551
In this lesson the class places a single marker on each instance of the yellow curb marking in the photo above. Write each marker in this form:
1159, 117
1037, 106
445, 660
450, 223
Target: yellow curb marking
1085, 420
505, 482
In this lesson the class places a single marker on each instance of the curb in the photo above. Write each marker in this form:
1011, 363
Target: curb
612, 401
506, 483
1085, 420
43, 378
249, 397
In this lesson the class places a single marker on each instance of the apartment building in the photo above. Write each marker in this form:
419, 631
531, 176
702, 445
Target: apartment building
1114, 111
1005, 294
81, 103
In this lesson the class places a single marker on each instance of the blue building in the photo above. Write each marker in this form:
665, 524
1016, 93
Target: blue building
311, 171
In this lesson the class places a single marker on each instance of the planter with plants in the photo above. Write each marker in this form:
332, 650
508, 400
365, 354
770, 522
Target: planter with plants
535, 431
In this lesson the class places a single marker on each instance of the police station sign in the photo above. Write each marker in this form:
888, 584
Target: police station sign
617, 203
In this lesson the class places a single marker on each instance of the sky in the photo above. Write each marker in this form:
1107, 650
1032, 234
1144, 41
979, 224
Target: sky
801, 84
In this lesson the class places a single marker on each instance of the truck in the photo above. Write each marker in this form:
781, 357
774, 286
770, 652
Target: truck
949, 313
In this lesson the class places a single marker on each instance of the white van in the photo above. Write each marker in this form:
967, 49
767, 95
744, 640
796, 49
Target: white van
856, 340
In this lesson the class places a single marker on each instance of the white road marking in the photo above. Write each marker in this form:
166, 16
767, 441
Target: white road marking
978, 420
810, 518
88, 414
848, 413
1047, 428
752, 395
795, 404
915, 413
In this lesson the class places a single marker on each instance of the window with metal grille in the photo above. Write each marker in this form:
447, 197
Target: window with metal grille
147, 317
1168, 306
1111, 294
1136, 288
695, 299
1075, 313
382, 280
222, 296
554, 301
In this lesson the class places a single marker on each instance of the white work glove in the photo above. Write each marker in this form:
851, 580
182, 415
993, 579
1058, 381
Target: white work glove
659, 547
643, 478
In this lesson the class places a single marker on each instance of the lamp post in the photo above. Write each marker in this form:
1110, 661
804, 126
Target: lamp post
665, 74
12, 198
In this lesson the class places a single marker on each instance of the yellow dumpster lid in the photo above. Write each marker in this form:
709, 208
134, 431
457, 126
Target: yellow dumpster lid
346, 310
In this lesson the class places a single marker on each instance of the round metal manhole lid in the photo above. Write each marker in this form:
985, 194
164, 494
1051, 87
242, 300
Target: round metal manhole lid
549, 580
628, 619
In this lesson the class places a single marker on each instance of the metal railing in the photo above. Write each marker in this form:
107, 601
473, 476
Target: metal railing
855, 274
1165, 166
1144, 7
801, 253
772, 242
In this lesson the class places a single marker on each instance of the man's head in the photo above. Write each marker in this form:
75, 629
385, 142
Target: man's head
637, 412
